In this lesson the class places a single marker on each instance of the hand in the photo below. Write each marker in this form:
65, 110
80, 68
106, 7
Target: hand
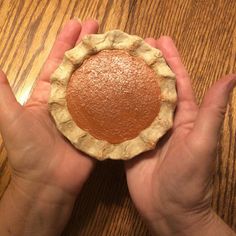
45, 167
172, 185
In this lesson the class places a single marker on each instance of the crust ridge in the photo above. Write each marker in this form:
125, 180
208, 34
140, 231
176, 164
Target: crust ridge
100, 149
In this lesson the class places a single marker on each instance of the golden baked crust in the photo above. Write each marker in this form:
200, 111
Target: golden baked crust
101, 149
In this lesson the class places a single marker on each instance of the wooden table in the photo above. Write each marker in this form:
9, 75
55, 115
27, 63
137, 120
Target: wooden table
205, 33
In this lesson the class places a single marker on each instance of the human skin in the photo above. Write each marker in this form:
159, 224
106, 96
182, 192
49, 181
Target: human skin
48, 173
172, 185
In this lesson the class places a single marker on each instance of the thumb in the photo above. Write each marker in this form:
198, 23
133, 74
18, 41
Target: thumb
212, 110
9, 107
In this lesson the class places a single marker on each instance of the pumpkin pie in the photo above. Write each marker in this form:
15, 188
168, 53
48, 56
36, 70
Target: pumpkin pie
113, 96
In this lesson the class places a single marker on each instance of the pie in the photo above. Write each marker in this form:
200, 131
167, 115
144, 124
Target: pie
113, 96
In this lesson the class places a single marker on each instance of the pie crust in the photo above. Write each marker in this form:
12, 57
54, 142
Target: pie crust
84, 141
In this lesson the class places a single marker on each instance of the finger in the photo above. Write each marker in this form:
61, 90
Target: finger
171, 54
212, 111
186, 108
151, 41
64, 41
88, 27
9, 107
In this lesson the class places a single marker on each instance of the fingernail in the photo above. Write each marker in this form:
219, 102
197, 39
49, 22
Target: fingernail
77, 18
233, 81
92, 19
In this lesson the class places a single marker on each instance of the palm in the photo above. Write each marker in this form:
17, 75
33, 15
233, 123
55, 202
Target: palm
152, 178
50, 149
45, 156
176, 176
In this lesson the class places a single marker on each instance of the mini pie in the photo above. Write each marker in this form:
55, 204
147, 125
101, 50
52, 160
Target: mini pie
113, 96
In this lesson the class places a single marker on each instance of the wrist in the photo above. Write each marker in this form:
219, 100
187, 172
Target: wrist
211, 224
44, 192
203, 223
32, 209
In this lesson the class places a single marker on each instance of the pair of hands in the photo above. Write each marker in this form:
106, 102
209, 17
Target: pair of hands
170, 186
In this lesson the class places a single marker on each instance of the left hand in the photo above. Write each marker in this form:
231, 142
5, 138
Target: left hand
43, 163
47, 171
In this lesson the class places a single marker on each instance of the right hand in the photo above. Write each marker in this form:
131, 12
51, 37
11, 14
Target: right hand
172, 185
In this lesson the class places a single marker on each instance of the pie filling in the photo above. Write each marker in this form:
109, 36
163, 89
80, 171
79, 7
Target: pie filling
113, 96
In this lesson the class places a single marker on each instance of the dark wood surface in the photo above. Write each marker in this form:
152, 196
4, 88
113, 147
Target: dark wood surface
205, 33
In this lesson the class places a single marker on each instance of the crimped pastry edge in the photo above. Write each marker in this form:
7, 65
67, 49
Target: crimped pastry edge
82, 140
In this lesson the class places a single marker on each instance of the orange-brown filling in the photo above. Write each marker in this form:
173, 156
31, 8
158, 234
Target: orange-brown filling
113, 96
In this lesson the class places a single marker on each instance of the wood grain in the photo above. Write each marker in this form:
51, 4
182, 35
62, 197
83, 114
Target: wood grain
205, 33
